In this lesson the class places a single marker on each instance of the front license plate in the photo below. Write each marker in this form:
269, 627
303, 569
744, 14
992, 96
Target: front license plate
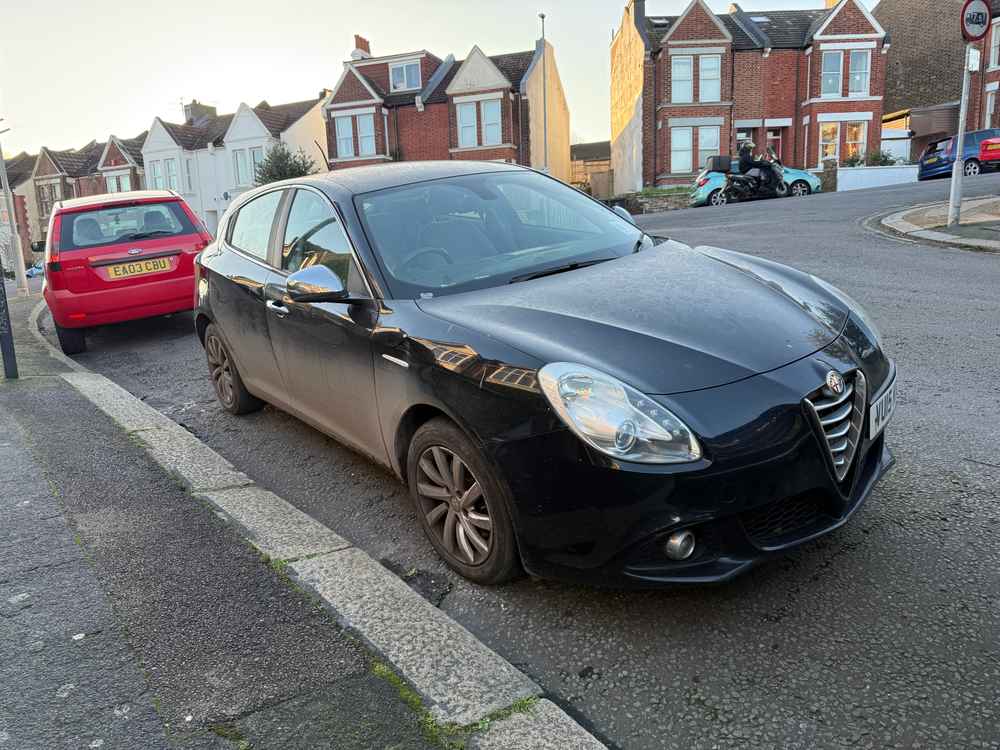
138, 268
881, 411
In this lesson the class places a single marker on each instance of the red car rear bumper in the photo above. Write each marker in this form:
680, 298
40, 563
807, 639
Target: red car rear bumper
147, 300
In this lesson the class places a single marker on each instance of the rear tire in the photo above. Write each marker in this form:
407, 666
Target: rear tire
226, 380
447, 519
71, 340
973, 168
782, 190
800, 189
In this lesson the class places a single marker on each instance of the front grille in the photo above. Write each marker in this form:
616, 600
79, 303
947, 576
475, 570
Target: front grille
841, 419
785, 520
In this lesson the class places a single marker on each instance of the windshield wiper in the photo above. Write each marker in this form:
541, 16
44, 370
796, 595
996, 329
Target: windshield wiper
558, 269
144, 235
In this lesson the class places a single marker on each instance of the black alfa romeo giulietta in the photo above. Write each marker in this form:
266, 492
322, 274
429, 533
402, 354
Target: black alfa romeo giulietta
562, 392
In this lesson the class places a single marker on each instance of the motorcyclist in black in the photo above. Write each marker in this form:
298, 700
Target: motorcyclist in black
747, 162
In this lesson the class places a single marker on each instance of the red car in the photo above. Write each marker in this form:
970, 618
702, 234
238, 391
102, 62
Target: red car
119, 256
989, 153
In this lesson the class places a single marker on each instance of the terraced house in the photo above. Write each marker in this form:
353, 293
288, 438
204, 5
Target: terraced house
684, 88
416, 106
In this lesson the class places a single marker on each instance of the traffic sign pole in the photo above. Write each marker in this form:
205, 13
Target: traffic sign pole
976, 16
958, 169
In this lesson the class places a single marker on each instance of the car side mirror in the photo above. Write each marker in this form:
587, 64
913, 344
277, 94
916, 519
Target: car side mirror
316, 284
624, 214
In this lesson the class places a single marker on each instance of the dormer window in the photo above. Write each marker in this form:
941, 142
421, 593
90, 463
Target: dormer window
405, 76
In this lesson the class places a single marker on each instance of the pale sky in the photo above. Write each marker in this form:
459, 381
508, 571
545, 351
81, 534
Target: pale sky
76, 70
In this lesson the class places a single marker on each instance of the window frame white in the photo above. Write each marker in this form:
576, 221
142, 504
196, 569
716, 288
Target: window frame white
464, 127
111, 183
240, 168
156, 170
716, 151
170, 175
702, 78
124, 182
823, 73
688, 82
995, 45
488, 123
676, 168
835, 142
989, 109
365, 137
405, 65
343, 138
189, 174
863, 141
866, 91
255, 156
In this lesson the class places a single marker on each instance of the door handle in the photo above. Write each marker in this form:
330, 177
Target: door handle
277, 308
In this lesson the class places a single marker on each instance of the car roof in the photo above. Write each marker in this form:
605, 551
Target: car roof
113, 199
357, 180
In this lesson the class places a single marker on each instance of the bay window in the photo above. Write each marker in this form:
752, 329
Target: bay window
491, 123
156, 168
991, 103
829, 141
256, 158
366, 135
345, 137
681, 79
860, 72
241, 171
708, 144
710, 78
111, 182
995, 45
833, 67
170, 173
856, 140
681, 147
468, 135
124, 183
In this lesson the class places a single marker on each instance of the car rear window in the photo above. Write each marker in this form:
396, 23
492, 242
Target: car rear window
80, 230
939, 147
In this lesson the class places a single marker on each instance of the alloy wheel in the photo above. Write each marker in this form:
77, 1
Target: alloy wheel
454, 506
800, 190
719, 198
972, 169
221, 368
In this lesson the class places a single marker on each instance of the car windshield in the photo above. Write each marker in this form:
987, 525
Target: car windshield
477, 231
107, 226
939, 147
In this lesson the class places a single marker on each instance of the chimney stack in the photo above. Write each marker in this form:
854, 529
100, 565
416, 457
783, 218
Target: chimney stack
362, 49
196, 113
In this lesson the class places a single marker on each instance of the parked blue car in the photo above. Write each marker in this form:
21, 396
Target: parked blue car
707, 190
939, 156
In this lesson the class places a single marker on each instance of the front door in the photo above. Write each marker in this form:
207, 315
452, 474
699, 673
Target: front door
239, 276
324, 349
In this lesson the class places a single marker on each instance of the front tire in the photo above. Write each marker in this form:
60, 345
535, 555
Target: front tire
461, 503
800, 189
226, 380
718, 198
973, 168
782, 190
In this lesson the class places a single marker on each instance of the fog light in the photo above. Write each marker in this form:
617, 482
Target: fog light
680, 545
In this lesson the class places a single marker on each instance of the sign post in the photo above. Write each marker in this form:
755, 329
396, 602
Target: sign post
976, 17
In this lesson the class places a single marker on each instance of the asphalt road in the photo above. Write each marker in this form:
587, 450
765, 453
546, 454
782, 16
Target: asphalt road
884, 634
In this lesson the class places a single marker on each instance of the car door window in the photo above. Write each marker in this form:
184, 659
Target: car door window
251, 229
315, 236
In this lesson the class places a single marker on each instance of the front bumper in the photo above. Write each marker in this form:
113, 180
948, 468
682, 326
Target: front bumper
766, 486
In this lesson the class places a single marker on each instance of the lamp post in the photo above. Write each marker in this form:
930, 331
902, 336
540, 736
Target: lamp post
545, 99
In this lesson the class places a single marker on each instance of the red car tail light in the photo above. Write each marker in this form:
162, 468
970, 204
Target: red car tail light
702, 182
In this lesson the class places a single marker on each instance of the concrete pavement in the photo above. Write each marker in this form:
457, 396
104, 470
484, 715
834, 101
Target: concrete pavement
979, 227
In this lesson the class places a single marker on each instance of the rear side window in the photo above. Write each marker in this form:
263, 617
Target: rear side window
251, 227
81, 230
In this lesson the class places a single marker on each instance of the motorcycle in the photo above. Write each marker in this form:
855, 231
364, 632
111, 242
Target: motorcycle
753, 185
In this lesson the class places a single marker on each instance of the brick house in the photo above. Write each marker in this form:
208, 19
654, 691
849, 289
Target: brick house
121, 164
65, 174
683, 88
415, 106
925, 68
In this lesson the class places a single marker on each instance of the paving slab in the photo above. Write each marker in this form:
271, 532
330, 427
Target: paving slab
543, 726
274, 526
460, 679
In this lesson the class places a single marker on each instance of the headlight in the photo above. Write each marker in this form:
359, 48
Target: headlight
855, 308
615, 418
